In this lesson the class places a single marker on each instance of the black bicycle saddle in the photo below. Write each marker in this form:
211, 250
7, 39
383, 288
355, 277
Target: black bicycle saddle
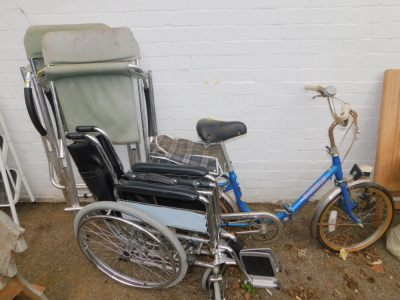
214, 131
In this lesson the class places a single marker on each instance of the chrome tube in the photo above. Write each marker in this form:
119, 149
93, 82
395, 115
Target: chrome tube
63, 150
70, 193
331, 135
152, 104
227, 159
112, 148
103, 156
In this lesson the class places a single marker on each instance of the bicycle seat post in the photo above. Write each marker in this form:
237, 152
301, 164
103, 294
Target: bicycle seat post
228, 162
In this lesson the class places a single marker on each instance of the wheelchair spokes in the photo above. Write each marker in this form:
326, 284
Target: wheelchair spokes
135, 253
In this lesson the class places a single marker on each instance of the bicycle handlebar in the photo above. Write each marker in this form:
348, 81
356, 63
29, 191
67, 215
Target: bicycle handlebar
330, 91
316, 88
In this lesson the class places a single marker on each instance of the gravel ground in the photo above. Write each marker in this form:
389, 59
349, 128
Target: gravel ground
54, 260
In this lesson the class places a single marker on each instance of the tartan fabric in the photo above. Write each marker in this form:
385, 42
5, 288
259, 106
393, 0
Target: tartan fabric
166, 149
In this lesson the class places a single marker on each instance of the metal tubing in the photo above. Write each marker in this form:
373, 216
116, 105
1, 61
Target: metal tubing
226, 156
239, 263
152, 104
103, 156
203, 264
110, 144
143, 116
212, 226
63, 143
70, 194
331, 136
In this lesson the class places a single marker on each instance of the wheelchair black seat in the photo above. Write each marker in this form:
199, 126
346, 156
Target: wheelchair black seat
167, 185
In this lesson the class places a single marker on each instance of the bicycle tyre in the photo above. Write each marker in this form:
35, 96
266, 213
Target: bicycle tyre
225, 206
373, 206
130, 246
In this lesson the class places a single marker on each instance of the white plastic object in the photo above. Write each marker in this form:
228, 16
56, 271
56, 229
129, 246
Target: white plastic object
332, 220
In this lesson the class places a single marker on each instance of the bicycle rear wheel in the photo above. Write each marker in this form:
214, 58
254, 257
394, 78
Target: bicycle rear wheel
371, 204
130, 246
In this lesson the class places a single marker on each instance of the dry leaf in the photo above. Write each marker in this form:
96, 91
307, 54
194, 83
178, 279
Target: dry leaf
346, 271
343, 254
301, 253
295, 248
378, 268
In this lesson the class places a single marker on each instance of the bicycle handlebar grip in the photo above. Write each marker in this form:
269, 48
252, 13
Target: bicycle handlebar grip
86, 128
315, 88
30, 106
75, 136
345, 112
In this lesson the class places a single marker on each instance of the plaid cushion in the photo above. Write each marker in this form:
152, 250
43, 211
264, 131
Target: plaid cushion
185, 152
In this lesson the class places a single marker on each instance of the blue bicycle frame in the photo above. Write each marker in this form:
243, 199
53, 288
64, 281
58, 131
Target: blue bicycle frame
232, 183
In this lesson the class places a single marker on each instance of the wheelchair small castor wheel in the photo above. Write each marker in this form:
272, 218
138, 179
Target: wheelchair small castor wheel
205, 284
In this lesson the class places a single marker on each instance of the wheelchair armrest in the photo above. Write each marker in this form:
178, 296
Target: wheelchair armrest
158, 190
170, 169
176, 180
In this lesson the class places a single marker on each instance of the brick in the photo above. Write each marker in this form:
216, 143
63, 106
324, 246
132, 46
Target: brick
324, 16
347, 31
174, 89
304, 32
169, 34
212, 62
3, 24
194, 76
169, 63
51, 7
385, 30
146, 19
61, 19
327, 46
207, 4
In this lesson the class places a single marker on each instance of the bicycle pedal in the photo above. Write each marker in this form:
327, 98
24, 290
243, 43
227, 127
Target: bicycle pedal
262, 267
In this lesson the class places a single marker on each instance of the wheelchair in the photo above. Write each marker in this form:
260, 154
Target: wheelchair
150, 223
161, 219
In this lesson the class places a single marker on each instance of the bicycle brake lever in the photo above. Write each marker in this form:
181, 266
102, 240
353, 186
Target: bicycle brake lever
316, 96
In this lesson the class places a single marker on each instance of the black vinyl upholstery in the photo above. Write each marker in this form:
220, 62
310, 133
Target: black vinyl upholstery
214, 131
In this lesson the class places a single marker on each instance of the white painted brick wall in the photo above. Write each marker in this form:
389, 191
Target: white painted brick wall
231, 60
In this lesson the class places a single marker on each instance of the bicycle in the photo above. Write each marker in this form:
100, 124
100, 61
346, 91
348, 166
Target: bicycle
351, 216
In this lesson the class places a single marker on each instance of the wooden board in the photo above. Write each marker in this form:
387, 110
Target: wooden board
387, 169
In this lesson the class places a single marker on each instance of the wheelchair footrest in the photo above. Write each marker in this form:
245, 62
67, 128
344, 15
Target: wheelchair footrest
262, 267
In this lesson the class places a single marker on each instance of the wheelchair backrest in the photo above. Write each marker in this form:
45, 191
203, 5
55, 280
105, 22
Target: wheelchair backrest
34, 34
93, 79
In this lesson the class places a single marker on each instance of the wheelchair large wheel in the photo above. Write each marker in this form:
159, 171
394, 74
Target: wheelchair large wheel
130, 246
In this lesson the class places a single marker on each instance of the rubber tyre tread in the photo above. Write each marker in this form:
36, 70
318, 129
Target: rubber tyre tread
124, 208
376, 235
225, 207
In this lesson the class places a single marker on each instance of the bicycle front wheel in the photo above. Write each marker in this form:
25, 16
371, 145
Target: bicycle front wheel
370, 203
